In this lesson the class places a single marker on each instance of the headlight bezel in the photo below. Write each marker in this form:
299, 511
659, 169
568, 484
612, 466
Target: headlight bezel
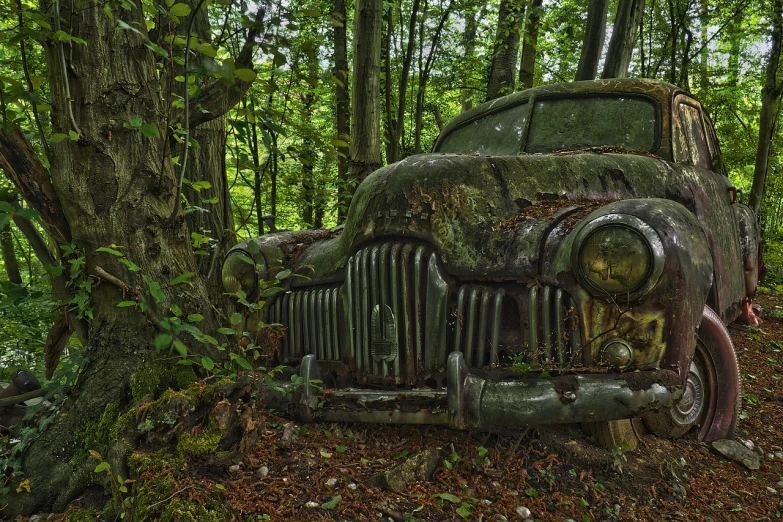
258, 268
635, 225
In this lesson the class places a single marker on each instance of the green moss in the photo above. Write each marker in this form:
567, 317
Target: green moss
186, 511
97, 435
152, 377
203, 444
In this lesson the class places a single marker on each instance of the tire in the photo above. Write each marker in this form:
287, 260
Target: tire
712, 397
610, 434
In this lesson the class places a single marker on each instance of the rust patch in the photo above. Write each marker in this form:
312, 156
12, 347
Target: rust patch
547, 207
644, 380
566, 383
607, 150
294, 247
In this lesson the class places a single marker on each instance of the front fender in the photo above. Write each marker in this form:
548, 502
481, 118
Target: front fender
661, 325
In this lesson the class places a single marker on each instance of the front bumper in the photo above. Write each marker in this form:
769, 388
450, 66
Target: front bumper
471, 400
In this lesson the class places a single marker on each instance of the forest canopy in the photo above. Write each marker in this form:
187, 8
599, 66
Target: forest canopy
142, 139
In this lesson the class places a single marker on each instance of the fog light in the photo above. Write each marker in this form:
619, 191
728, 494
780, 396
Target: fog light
617, 353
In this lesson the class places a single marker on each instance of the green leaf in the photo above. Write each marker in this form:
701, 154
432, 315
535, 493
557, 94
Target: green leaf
448, 496
195, 318
226, 331
181, 278
332, 503
242, 362
126, 304
103, 466
207, 363
531, 492
272, 290
181, 348
73, 135
28, 213
150, 130
221, 487
110, 251
206, 50
246, 75
236, 318
162, 341
179, 10
340, 449
464, 510
283, 274
57, 137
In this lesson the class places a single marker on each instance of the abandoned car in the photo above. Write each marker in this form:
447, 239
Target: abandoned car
566, 254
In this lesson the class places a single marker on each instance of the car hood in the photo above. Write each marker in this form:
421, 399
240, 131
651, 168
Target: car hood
491, 215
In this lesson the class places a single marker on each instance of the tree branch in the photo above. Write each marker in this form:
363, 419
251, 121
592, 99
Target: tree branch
214, 101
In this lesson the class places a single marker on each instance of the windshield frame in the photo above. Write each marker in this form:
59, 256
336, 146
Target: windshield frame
533, 98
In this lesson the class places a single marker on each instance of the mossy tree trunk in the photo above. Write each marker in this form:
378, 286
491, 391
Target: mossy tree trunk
116, 187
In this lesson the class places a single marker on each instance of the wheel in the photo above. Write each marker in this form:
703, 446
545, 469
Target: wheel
711, 398
611, 434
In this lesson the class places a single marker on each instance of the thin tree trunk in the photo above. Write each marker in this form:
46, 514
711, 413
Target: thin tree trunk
502, 72
527, 68
621, 44
9, 255
343, 108
469, 44
402, 89
593, 43
770, 105
365, 92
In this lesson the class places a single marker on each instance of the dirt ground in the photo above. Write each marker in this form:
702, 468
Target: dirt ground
554, 472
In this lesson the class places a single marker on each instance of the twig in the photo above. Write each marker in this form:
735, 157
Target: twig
68, 105
119, 283
514, 448
16, 399
174, 211
169, 498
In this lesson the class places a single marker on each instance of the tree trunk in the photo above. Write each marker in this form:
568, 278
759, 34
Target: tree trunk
593, 43
770, 105
117, 189
398, 124
469, 44
365, 92
527, 68
621, 44
343, 113
502, 72
9, 255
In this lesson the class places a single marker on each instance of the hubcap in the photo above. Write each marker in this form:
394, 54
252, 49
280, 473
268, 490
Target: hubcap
690, 406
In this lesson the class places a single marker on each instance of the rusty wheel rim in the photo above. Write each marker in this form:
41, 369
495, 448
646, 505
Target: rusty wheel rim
694, 405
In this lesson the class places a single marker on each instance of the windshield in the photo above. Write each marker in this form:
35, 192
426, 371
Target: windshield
560, 124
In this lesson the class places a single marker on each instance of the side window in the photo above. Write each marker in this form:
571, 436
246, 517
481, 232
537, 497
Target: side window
691, 128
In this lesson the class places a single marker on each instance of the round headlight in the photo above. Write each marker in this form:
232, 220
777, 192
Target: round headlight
619, 255
240, 273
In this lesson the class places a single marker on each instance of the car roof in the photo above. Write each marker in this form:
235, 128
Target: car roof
660, 91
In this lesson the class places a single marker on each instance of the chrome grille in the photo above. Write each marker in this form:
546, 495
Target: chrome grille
401, 282
313, 323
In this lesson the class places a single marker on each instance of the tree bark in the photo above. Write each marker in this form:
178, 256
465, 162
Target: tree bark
770, 106
365, 91
527, 68
398, 124
116, 188
593, 43
9, 255
469, 44
343, 112
502, 72
621, 44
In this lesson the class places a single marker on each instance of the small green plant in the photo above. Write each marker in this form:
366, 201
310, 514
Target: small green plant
119, 485
618, 452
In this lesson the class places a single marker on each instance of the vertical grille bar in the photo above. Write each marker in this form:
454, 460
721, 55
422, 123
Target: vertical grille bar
325, 328
460, 318
435, 314
559, 327
418, 312
298, 326
313, 317
365, 311
358, 324
350, 325
407, 307
532, 321
394, 270
493, 350
575, 337
471, 324
546, 322
482, 333
375, 367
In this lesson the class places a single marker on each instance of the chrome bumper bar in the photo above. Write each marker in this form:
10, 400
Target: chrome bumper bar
470, 400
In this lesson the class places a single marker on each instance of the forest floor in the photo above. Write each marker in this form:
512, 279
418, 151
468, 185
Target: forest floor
321, 473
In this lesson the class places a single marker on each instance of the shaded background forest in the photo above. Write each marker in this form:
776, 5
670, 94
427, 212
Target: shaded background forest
286, 143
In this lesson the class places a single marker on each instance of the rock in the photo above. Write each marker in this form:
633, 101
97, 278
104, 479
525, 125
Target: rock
617, 508
332, 482
495, 484
780, 484
500, 518
289, 428
776, 448
262, 472
523, 512
748, 444
779, 455
235, 467
312, 505
738, 452
772, 491
770, 456
352, 486
486, 501
420, 466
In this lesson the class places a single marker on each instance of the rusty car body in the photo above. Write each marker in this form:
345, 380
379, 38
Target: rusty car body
568, 253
